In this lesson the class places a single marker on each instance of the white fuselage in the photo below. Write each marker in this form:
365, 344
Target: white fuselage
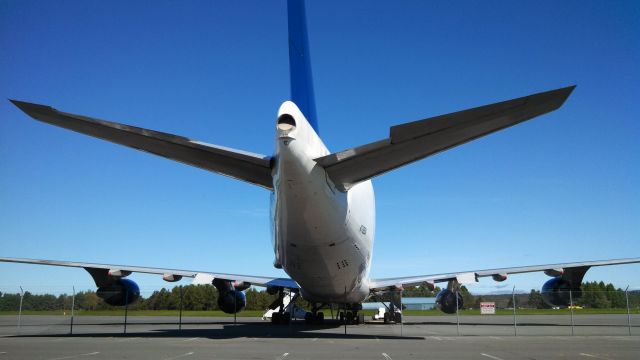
322, 237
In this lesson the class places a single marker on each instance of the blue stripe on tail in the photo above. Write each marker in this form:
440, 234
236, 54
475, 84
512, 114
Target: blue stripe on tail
300, 62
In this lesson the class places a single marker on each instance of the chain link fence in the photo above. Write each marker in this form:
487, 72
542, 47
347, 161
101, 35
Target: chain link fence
49, 312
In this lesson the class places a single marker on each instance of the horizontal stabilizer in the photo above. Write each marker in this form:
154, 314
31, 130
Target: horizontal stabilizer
416, 140
241, 165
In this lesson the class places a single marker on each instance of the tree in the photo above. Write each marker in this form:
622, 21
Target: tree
536, 301
467, 299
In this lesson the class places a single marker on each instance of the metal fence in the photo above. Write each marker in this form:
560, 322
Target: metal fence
615, 313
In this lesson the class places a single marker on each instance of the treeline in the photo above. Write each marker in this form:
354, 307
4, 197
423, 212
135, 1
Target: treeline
194, 297
205, 297
596, 295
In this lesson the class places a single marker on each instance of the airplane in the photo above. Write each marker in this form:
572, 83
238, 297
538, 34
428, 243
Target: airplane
322, 202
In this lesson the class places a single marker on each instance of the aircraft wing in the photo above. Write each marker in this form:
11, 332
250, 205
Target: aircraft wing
472, 276
253, 168
416, 140
123, 270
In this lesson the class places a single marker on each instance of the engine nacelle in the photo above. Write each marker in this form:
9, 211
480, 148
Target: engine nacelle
555, 292
241, 285
122, 292
232, 301
446, 301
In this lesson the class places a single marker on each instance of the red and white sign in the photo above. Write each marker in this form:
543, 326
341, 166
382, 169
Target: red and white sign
487, 308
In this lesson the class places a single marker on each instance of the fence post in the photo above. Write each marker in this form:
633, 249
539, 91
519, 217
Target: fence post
344, 311
626, 295
235, 308
290, 312
571, 308
180, 316
73, 305
126, 309
513, 301
20, 310
457, 314
401, 315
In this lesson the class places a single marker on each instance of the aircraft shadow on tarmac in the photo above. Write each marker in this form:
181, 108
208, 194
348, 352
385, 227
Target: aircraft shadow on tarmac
252, 329
228, 330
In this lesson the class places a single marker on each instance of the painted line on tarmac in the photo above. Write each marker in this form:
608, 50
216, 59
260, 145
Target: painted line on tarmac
593, 356
314, 339
495, 338
75, 356
60, 339
195, 338
491, 356
127, 339
282, 356
625, 338
180, 356
387, 357
439, 338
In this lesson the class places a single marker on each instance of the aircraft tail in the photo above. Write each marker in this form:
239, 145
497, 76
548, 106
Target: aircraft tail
299, 62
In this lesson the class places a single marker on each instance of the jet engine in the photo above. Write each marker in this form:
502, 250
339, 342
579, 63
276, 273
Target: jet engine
230, 299
119, 293
555, 292
446, 301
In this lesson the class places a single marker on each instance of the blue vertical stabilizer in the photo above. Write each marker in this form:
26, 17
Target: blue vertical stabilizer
300, 62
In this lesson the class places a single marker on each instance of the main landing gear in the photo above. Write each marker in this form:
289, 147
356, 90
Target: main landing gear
391, 313
314, 317
351, 314
281, 310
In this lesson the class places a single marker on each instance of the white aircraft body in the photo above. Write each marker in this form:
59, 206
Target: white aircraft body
323, 237
323, 206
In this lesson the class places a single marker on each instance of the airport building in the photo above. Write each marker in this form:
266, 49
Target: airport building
410, 303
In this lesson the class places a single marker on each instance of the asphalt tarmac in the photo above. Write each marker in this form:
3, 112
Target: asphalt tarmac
539, 337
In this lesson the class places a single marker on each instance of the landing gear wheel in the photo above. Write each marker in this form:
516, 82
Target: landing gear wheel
320, 317
349, 318
275, 318
341, 317
308, 318
361, 318
386, 317
398, 318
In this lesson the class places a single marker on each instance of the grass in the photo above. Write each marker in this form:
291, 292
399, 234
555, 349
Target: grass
258, 313
120, 312
525, 312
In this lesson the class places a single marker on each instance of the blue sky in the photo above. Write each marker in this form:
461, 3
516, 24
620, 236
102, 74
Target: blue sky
563, 187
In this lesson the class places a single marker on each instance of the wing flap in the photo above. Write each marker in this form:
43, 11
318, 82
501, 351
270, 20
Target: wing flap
253, 168
419, 139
